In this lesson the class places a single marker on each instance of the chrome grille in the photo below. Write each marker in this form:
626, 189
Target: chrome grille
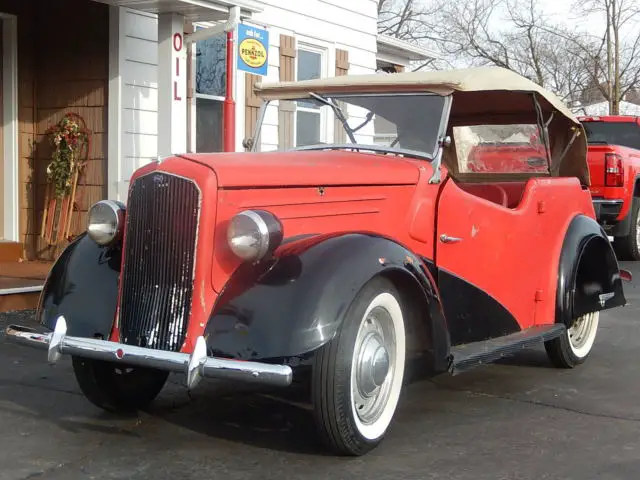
157, 276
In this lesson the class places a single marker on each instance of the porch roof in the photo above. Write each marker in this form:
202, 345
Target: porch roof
193, 10
394, 46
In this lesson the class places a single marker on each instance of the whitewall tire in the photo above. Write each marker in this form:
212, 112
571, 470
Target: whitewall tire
358, 376
575, 344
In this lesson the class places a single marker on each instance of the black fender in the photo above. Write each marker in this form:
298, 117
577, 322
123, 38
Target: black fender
83, 287
296, 302
588, 273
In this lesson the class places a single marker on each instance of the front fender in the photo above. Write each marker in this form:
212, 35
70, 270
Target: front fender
588, 274
296, 303
83, 286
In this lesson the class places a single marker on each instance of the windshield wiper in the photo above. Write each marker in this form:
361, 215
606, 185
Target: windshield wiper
338, 112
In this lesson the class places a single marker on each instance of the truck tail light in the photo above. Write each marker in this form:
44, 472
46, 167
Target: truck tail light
613, 170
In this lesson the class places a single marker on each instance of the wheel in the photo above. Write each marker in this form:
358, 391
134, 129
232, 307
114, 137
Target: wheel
628, 247
574, 345
357, 377
117, 388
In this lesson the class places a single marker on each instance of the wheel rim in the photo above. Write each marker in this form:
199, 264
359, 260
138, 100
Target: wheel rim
638, 230
582, 333
377, 366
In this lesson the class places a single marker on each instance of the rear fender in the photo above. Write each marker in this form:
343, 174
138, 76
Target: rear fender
296, 302
83, 286
588, 276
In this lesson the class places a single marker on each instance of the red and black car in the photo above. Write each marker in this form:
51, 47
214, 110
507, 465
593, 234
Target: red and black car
340, 264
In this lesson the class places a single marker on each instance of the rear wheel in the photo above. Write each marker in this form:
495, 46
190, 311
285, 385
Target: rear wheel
574, 345
628, 247
118, 388
357, 377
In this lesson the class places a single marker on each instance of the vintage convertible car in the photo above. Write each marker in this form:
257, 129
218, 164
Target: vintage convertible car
343, 264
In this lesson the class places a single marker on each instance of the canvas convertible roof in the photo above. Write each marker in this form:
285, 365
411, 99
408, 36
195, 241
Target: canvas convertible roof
479, 94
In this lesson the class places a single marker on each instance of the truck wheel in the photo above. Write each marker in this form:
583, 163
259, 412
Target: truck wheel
574, 345
117, 388
628, 247
357, 377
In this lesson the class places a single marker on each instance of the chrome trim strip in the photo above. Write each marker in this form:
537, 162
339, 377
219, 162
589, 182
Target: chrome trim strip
18, 290
195, 366
603, 201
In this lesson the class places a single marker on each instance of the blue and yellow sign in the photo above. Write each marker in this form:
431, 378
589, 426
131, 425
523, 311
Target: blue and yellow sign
253, 49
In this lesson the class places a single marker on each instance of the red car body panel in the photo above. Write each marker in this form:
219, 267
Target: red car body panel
516, 237
514, 242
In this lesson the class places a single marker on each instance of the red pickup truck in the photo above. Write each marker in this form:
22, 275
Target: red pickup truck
614, 166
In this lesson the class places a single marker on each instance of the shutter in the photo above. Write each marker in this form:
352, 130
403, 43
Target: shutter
286, 109
342, 68
252, 104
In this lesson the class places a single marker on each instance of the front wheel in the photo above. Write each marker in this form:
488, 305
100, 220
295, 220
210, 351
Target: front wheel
117, 388
357, 377
574, 345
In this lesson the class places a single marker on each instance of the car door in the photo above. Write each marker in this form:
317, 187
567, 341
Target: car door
486, 278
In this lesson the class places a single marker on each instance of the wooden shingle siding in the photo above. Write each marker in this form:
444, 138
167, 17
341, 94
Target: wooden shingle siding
342, 68
58, 74
286, 109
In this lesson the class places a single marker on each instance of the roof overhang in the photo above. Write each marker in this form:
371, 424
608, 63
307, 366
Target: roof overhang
394, 47
193, 10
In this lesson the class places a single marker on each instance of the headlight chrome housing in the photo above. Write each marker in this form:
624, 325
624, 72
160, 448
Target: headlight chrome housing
252, 234
106, 222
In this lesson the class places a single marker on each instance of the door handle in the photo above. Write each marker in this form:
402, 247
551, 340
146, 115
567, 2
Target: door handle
444, 238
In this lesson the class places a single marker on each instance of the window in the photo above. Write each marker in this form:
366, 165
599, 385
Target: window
500, 149
309, 119
210, 88
626, 134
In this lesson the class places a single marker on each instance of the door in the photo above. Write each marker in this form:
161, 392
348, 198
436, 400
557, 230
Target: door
487, 275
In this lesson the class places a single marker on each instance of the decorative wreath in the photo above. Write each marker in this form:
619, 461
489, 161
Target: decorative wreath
69, 138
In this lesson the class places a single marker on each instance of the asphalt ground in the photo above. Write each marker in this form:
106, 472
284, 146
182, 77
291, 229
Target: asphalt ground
517, 419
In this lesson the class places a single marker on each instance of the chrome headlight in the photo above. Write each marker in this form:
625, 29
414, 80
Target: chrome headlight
106, 222
254, 233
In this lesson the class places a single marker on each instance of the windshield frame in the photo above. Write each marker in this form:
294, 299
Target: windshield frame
433, 157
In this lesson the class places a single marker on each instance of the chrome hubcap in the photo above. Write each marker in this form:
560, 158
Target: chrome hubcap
374, 363
580, 331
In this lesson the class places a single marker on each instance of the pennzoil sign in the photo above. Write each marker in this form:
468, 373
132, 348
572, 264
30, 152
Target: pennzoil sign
253, 49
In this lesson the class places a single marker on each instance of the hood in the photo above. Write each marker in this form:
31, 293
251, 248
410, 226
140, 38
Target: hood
309, 168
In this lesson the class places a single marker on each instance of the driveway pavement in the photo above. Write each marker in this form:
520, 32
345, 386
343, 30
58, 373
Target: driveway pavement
519, 419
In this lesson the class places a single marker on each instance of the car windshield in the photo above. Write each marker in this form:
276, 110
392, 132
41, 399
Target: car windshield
625, 134
405, 124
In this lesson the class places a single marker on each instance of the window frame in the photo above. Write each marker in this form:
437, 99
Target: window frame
193, 136
321, 111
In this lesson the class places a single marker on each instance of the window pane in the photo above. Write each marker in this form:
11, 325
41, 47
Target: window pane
500, 148
307, 128
309, 65
208, 125
211, 66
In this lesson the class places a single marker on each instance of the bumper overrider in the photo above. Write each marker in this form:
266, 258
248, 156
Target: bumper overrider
195, 366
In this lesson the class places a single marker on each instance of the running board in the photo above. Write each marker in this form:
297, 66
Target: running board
470, 355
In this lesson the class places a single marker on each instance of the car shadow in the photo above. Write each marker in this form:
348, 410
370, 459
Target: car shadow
261, 418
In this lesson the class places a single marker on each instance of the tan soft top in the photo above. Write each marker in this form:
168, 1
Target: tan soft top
479, 94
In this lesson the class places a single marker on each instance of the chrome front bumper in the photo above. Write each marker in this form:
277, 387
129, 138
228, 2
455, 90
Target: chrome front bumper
195, 366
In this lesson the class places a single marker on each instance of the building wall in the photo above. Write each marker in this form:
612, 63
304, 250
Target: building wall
326, 24
134, 83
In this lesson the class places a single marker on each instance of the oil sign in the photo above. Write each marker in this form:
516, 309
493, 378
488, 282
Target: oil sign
253, 49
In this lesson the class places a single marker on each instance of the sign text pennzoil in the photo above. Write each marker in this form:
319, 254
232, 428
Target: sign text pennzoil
253, 49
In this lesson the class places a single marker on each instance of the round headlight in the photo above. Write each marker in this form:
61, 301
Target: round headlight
106, 221
254, 233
